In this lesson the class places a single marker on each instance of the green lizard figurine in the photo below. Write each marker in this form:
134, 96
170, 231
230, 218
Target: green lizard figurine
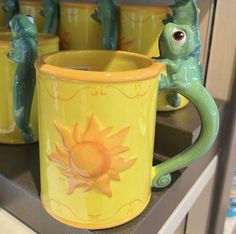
11, 8
50, 12
179, 45
106, 14
24, 53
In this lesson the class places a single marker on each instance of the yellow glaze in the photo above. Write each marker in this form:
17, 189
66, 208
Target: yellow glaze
97, 121
33, 8
8, 132
77, 29
140, 28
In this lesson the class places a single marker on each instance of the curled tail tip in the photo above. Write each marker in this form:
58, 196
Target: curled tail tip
162, 181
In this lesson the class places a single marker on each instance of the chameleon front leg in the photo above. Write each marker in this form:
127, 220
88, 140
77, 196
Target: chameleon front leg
172, 67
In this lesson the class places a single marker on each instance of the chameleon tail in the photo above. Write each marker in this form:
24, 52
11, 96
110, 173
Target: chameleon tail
22, 122
24, 85
28, 135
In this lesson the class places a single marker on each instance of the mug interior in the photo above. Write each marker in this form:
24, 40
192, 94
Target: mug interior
99, 61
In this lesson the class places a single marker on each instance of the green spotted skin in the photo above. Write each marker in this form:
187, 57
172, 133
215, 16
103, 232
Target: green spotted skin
106, 15
184, 13
24, 53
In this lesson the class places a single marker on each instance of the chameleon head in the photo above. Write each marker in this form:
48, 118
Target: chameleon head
23, 25
178, 41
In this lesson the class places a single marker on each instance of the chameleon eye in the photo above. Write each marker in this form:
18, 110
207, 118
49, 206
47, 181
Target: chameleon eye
31, 19
179, 37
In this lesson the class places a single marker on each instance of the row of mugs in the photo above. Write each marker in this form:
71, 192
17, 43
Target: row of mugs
139, 31
140, 26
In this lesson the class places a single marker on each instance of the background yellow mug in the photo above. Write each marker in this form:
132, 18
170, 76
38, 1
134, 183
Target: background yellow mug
96, 140
140, 28
33, 8
77, 29
8, 131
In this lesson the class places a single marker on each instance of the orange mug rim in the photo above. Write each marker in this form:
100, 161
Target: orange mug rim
55, 72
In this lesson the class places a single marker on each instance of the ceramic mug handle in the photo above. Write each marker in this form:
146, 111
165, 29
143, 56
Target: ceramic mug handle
209, 116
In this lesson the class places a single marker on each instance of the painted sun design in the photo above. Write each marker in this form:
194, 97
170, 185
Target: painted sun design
90, 159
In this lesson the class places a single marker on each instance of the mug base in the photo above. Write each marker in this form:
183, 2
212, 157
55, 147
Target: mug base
13, 136
94, 226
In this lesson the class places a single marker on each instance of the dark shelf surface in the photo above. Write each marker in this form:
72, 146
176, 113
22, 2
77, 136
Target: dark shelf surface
20, 185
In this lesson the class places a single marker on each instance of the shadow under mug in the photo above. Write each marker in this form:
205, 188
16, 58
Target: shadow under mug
33, 8
77, 29
9, 133
140, 29
97, 138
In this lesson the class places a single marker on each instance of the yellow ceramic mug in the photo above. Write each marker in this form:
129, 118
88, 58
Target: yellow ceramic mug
33, 8
8, 132
77, 29
96, 140
140, 28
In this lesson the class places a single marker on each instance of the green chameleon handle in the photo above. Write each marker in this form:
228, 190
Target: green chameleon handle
184, 13
50, 12
179, 44
208, 112
106, 15
24, 53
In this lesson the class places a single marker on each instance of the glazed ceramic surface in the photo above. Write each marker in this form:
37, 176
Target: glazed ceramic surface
106, 15
8, 131
97, 122
140, 28
33, 8
179, 46
78, 30
50, 12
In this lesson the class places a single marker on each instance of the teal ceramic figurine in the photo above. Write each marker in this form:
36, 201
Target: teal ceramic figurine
11, 8
24, 53
50, 12
106, 15
179, 44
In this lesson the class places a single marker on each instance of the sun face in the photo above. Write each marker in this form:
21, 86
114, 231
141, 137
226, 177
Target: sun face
90, 160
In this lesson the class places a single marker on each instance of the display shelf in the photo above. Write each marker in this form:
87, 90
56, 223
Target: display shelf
20, 185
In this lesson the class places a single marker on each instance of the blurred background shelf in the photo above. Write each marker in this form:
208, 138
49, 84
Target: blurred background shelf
20, 183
